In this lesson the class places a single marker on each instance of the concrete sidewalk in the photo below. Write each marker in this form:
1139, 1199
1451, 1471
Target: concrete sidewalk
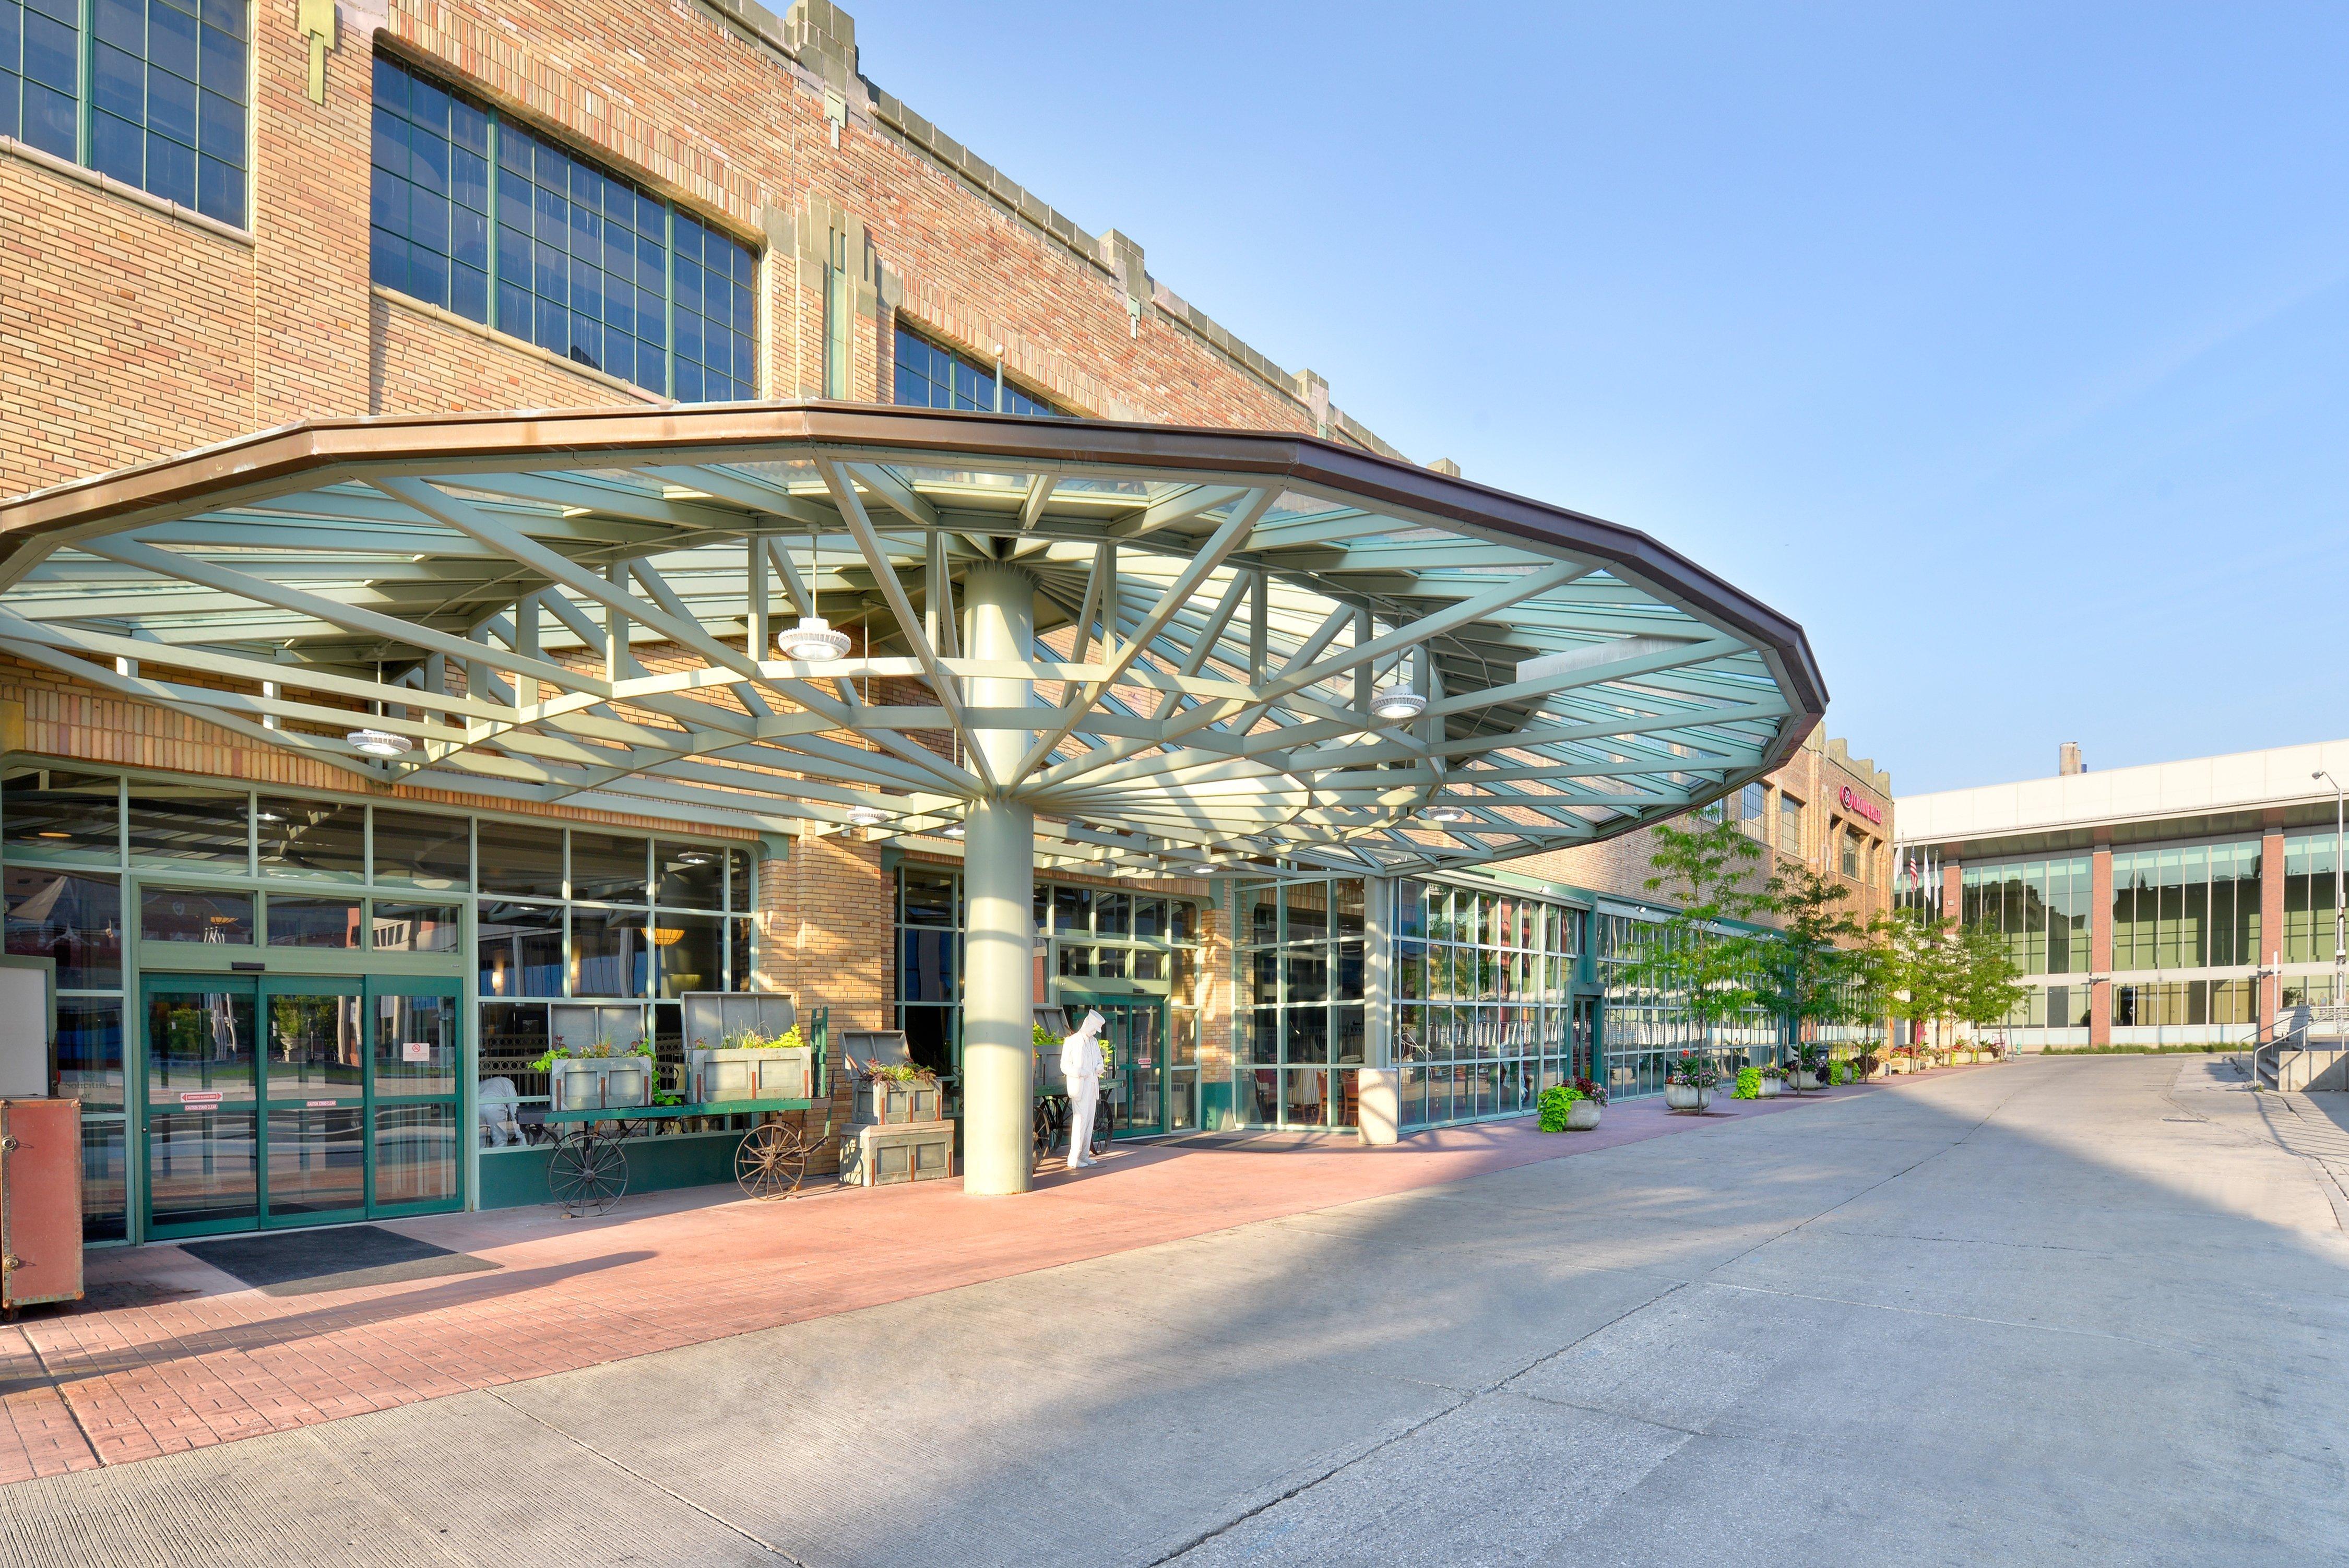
2057, 1311
212, 1362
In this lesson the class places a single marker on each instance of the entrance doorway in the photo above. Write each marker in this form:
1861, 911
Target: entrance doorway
1134, 1036
298, 1101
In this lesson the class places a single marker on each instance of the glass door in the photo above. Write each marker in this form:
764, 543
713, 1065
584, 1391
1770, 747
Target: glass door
417, 1050
314, 1081
299, 1102
1134, 1038
201, 1078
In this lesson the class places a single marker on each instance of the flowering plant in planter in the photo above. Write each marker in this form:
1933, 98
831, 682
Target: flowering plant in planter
1694, 1069
1591, 1089
1570, 1106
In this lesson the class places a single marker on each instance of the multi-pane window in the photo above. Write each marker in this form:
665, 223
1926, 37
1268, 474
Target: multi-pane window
2187, 906
930, 377
1851, 854
1483, 1021
2040, 906
40, 41
1790, 824
166, 100
160, 106
481, 217
1140, 943
430, 194
2309, 933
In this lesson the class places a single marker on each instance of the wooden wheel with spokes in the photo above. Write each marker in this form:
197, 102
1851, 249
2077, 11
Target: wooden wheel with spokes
587, 1173
772, 1160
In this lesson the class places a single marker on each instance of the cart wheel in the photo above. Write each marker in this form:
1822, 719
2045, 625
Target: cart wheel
771, 1161
1040, 1128
1098, 1145
587, 1174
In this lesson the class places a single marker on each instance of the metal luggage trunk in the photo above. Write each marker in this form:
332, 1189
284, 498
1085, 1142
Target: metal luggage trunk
40, 1201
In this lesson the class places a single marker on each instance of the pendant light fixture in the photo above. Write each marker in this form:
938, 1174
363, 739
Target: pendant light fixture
812, 641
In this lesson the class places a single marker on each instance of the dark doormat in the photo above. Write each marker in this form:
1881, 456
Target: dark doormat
308, 1263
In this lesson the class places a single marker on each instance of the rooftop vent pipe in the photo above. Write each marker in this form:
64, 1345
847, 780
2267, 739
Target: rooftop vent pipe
2067, 762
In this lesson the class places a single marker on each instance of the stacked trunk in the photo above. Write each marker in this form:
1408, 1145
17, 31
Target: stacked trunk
899, 1132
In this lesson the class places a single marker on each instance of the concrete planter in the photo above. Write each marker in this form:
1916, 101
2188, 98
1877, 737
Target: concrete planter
1804, 1079
599, 1083
1686, 1097
1899, 1064
1961, 1058
714, 1076
1582, 1116
1771, 1087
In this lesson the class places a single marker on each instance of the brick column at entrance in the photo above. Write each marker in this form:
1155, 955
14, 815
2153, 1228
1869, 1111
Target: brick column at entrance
2100, 947
826, 919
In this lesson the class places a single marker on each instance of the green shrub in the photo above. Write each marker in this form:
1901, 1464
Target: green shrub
1843, 1072
1555, 1102
1749, 1084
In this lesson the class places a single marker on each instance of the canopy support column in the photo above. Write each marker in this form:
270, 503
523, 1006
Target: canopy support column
998, 894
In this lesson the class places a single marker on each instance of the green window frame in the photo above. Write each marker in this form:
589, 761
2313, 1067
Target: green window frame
495, 222
148, 92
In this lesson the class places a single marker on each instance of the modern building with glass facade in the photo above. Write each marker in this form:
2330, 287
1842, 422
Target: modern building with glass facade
2175, 903
362, 737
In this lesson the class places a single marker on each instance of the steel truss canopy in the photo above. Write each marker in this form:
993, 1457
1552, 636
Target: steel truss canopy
584, 607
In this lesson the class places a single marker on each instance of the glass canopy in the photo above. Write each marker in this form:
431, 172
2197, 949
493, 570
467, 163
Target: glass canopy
1249, 648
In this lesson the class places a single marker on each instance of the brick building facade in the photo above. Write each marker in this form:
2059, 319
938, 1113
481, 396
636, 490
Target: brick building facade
143, 314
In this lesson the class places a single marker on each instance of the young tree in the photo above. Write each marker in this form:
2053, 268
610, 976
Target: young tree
1814, 962
1716, 973
1907, 951
1986, 991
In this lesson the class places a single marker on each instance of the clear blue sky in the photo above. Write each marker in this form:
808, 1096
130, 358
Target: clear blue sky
2004, 346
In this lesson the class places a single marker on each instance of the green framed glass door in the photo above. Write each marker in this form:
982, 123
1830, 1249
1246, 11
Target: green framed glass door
417, 1046
314, 1101
1135, 1039
299, 1101
201, 1080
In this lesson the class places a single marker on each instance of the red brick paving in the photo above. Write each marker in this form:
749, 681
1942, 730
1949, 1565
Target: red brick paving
667, 1270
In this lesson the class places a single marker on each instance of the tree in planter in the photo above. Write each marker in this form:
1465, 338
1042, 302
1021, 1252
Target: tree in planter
1715, 974
1986, 991
1815, 960
1911, 954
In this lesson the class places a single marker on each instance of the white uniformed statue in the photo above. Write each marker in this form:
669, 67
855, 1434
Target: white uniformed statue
1080, 1063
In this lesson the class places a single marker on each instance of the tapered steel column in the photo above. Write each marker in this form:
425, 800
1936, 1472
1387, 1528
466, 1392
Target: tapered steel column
999, 850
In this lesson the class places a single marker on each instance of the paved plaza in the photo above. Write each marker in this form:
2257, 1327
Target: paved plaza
2076, 1311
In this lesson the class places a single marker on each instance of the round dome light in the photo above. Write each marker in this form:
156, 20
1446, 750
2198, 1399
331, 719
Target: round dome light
379, 743
1394, 704
954, 831
813, 641
1446, 813
865, 816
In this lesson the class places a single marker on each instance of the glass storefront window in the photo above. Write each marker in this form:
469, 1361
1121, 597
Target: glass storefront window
690, 950
741, 866
927, 897
50, 813
1072, 910
690, 877
608, 954
521, 948
739, 954
415, 1154
422, 849
607, 867
187, 914
188, 822
314, 922
414, 928
75, 920
89, 1052
311, 838
520, 859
